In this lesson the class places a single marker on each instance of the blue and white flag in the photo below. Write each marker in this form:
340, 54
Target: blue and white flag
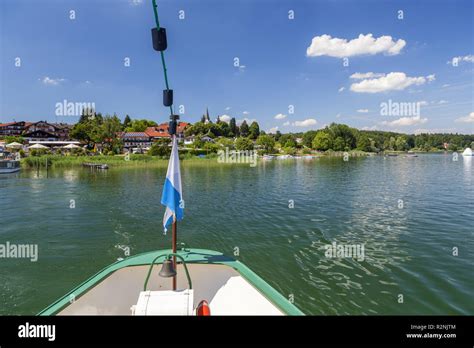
172, 196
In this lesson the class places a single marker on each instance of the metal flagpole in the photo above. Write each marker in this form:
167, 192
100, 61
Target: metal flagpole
173, 241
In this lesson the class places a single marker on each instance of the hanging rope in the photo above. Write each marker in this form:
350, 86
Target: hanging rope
155, 10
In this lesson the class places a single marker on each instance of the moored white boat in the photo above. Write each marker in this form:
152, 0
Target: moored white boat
467, 152
9, 166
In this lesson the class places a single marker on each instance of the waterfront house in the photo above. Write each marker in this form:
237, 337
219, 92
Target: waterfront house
44, 131
62, 130
162, 131
132, 140
40, 130
156, 133
13, 128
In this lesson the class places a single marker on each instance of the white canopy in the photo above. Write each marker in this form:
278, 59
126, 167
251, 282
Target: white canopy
71, 146
14, 145
37, 146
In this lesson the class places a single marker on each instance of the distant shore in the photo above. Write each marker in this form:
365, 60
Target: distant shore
60, 161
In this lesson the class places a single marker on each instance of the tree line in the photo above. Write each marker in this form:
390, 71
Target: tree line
99, 129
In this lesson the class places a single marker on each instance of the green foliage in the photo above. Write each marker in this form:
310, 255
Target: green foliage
288, 140
344, 137
401, 143
225, 142
244, 129
364, 143
210, 129
254, 130
233, 129
267, 142
308, 138
139, 125
198, 143
160, 148
243, 144
322, 141
99, 130
453, 147
289, 150
211, 147
10, 139
223, 129
277, 135
339, 144
290, 143
126, 122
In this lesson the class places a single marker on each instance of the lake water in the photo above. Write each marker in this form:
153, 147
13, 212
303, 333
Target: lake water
409, 213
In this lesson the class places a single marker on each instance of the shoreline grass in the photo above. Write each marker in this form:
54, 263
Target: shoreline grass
61, 161
58, 161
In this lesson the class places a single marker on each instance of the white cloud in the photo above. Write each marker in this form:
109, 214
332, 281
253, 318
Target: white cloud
394, 81
466, 119
367, 128
279, 117
306, 123
51, 82
338, 115
423, 103
287, 123
227, 108
406, 121
272, 130
431, 77
446, 85
442, 101
245, 112
225, 118
459, 59
341, 89
135, 2
367, 75
325, 45
363, 111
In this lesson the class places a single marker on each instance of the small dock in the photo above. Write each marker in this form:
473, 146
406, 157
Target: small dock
95, 165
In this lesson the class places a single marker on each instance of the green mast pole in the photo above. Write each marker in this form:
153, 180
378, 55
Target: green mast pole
155, 10
175, 227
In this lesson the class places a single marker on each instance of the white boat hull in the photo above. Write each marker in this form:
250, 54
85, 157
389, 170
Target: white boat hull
9, 170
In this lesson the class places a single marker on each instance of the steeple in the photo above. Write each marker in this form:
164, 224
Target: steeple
207, 119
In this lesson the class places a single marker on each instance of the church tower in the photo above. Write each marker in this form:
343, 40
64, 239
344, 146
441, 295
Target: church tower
206, 118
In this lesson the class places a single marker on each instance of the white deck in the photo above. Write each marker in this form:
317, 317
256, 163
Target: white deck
227, 292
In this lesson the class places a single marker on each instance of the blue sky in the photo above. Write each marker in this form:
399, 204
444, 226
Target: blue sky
405, 61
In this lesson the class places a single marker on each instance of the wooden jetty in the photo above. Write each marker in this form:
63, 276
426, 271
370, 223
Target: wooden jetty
95, 165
